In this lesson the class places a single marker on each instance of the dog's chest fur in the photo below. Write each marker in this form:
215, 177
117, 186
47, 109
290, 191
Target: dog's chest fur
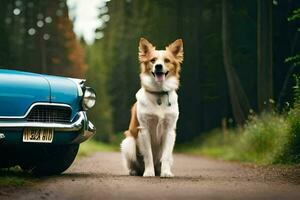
157, 119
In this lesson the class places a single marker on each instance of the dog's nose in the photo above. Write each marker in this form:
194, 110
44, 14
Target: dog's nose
158, 67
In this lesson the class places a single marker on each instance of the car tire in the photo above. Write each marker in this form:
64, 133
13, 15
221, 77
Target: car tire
53, 161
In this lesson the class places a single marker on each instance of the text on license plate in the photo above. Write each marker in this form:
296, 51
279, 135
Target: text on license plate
39, 135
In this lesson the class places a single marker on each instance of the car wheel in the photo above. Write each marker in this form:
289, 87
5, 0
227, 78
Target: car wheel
52, 161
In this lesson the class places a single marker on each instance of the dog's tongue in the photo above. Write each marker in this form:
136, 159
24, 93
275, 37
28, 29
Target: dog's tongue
159, 77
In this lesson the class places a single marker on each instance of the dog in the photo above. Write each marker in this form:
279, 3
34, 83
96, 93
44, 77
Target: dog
148, 146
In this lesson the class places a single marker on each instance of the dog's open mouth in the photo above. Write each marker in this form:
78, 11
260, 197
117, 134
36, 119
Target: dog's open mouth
160, 76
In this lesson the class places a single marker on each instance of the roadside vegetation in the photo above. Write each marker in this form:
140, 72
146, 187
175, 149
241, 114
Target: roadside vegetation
14, 177
91, 146
269, 138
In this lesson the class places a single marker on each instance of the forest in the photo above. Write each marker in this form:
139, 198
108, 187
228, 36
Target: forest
240, 57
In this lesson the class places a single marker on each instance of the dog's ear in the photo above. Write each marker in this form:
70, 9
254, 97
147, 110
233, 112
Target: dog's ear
145, 47
176, 48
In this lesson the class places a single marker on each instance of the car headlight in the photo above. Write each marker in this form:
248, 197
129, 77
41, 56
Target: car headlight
89, 98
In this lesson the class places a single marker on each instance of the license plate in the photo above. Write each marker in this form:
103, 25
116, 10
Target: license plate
38, 135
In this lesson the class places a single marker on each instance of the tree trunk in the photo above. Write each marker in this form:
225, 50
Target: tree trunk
264, 55
239, 101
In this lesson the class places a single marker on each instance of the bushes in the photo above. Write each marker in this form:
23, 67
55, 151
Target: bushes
270, 138
261, 138
290, 153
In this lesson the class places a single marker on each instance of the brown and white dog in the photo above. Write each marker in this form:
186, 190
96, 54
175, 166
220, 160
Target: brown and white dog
148, 146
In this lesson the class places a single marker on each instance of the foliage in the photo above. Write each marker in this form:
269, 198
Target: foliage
295, 17
38, 36
265, 139
295, 60
291, 150
101, 114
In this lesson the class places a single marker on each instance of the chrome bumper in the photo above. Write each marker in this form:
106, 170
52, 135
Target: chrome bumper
82, 124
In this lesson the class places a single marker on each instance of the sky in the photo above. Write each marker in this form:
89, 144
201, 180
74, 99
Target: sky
85, 14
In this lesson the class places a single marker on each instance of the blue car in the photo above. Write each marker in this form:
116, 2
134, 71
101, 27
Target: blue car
43, 120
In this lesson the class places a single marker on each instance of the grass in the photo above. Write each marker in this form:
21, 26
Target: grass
270, 138
91, 146
14, 177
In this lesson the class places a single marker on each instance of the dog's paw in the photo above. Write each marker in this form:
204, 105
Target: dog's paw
166, 175
149, 173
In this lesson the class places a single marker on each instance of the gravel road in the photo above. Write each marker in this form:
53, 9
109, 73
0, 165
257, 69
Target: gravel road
101, 176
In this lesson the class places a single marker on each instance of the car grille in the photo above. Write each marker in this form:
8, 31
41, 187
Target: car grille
52, 114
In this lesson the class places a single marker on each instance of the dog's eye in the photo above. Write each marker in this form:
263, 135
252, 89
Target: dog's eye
167, 60
153, 60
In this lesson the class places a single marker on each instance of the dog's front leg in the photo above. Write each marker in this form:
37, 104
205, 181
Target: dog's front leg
144, 141
167, 158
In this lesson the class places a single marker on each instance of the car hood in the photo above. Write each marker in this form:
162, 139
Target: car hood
66, 91
19, 90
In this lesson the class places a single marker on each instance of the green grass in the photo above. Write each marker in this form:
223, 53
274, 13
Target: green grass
14, 177
91, 146
270, 138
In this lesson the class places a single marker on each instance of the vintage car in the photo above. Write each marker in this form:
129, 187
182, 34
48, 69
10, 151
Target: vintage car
42, 120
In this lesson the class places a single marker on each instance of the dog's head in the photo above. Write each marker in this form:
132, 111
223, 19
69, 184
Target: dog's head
160, 68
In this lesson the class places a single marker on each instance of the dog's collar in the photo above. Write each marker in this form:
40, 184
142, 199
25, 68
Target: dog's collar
159, 94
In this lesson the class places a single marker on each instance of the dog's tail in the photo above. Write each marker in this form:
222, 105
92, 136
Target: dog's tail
128, 145
128, 149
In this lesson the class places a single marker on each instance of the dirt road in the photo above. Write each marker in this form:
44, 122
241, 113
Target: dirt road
101, 177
